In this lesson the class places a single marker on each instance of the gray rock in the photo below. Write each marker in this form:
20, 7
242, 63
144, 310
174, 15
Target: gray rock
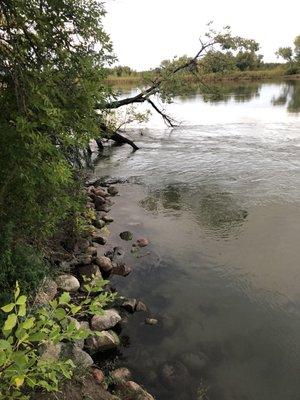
108, 320
98, 223
81, 245
129, 305
108, 218
140, 306
121, 269
46, 292
98, 238
104, 263
173, 374
100, 192
112, 190
89, 271
76, 354
50, 351
84, 259
68, 283
91, 251
105, 341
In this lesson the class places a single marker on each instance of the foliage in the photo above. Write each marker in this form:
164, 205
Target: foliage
53, 55
25, 332
291, 56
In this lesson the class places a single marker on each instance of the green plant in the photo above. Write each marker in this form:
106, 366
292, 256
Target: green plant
25, 331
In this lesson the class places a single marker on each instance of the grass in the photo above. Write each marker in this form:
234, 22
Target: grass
232, 76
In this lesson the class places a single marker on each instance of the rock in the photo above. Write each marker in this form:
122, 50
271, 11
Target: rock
151, 321
116, 255
108, 218
46, 292
89, 271
81, 245
105, 341
107, 320
126, 235
194, 362
99, 223
173, 374
112, 190
104, 263
98, 375
50, 351
99, 203
121, 269
129, 305
85, 259
91, 251
100, 192
140, 306
105, 208
121, 374
68, 283
142, 242
132, 391
98, 238
77, 355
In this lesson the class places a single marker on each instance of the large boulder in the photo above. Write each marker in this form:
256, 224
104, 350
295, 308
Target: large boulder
112, 190
105, 340
67, 283
107, 320
50, 352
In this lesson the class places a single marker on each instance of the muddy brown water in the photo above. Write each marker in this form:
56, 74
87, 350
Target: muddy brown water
219, 198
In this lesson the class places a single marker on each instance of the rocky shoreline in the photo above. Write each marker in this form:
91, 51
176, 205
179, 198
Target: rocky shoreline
90, 260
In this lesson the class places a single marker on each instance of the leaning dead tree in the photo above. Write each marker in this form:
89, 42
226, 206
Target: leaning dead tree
161, 85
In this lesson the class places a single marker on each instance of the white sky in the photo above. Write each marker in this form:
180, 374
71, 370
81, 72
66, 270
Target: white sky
145, 32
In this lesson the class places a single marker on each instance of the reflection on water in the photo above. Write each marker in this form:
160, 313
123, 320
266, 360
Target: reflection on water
219, 199
289, 96
213, 208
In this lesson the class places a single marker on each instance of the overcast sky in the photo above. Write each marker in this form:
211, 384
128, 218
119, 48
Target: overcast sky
144, 32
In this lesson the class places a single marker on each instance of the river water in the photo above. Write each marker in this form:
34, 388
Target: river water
219, 199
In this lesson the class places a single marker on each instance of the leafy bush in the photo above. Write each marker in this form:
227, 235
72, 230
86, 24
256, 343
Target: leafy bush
24, 331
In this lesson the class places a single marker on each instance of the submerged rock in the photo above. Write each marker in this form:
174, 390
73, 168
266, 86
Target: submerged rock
112, 190
174, 374
129, 305
132, 391
142, 242
151, 321
107, 320
121, 269
140, 306
194, 362
126, 235
105, 340
121, 374
68, 283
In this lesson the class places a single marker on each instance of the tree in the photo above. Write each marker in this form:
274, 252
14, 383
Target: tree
286, 53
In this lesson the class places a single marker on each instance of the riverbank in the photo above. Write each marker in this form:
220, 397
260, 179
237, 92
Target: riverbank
235, 76
94, 257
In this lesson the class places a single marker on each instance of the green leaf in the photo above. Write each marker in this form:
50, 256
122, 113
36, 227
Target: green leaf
17, 290
4, 345
29, 323
8, 308
10, 322
22, 310
64, 298
21, 300
60, 313
38, 337
2, 358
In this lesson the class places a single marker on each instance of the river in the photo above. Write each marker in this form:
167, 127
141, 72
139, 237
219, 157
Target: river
219, 199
